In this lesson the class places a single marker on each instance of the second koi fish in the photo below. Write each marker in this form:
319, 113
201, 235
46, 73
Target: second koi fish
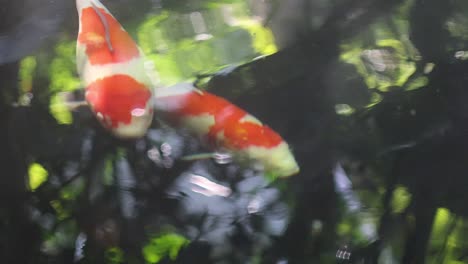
224, 126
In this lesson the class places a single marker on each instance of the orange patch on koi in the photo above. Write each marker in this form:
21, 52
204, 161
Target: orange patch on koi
237, 134
93, 33
116, 96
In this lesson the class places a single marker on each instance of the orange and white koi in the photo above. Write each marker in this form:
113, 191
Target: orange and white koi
111, 68
224, 126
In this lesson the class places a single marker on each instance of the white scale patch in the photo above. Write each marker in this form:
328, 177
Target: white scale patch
81, 57
251, 119
200, 124
178, 89
133, 68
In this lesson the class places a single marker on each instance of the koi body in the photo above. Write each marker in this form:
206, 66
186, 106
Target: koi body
111, 68
224, 126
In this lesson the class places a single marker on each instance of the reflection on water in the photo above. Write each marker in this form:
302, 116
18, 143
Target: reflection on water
228, 210
207, 187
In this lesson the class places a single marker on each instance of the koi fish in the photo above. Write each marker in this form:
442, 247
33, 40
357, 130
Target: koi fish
224, 126
111, 67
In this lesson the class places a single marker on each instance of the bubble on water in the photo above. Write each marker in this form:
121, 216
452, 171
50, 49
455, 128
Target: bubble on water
154, 155
254, 205
316, 226
26, 99
166, 149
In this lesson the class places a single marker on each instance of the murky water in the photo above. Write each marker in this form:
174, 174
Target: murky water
314, 131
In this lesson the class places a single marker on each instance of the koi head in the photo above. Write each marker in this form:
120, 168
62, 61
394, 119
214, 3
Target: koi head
111, 67
101, 37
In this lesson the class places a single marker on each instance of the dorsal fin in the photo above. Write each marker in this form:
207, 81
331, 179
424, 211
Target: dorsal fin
106, 26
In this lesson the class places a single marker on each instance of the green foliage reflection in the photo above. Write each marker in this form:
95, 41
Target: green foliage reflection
114, 255
384, 66
163, 246
400, 199
62, 79
448, 238
61, 237
37, 176
26, 73
184, 45
384, 56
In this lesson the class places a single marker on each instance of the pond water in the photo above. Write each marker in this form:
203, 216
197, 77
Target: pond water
242, 131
